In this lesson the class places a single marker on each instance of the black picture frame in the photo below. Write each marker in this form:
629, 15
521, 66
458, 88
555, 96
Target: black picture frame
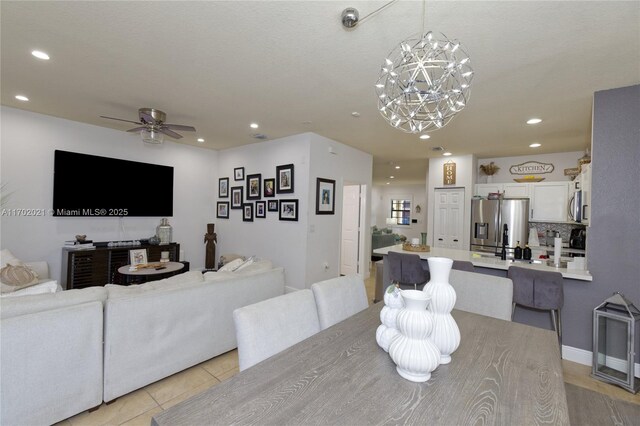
254, 186
272, 205
238, 173
261, 209
247, 212
223, 187
288, 210
285, 179
222, 210
236, 197
325, 196
269, 188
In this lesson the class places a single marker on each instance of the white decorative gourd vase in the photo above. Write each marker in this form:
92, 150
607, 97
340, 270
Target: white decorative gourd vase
446, 334
412, 350
387, 331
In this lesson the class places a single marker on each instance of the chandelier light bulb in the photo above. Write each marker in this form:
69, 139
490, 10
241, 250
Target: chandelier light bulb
424, 82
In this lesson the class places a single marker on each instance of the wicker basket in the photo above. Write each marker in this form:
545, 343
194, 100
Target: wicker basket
420, 247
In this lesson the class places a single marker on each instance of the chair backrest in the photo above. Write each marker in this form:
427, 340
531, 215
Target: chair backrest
537, 289
405, 268
462, 265
482, 294
339, 298
268, 327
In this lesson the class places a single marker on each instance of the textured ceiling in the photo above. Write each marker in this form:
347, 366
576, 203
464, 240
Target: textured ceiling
291, 67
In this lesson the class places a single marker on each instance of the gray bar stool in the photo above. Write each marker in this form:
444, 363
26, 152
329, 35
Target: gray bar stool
406, 270
539, 290
462, 265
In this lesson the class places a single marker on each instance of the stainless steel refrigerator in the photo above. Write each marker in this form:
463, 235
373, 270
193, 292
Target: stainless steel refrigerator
488, 218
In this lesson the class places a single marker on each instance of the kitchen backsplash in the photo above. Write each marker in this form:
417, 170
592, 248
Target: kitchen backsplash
563, 228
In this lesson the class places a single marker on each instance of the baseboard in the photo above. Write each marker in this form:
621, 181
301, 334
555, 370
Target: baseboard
584, 357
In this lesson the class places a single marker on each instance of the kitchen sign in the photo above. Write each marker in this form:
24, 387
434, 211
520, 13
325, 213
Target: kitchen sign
449, 173
531, 168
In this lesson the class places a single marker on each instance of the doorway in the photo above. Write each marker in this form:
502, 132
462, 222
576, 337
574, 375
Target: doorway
448, 218
352, 244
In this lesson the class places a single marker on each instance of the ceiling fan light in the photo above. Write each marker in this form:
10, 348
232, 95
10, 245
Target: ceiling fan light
151, 136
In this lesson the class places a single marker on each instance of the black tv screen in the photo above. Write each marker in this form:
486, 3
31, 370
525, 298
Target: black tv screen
89, 185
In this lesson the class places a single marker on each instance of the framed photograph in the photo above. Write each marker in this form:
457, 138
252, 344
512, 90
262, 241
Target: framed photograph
238, 173
254, 186
269, 189
272, 205
223, 210
261, 209
236, 197
247, 212
138, 257
289, 210
284, 179
325, 196
223, 187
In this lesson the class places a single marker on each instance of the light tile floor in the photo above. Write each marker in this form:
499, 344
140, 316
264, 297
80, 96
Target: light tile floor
138, 407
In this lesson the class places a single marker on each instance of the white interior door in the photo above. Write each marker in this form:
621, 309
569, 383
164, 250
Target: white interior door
349, 248
448, 218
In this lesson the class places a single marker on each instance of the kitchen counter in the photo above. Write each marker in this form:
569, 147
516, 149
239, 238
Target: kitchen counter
487, 260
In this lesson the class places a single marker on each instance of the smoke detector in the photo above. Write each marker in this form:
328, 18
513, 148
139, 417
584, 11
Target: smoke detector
259, 136
437, 149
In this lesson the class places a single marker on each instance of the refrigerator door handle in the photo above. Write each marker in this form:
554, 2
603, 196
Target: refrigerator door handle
498, 218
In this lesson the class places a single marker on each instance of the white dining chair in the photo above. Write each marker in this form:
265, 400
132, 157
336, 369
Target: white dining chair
268, 327
339, 298
482, 294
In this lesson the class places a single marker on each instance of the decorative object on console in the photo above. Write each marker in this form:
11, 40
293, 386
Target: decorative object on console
413, 351
164, 257
254, 183
222, 211
81, 238
211, 239
289, 210
154, 240
284, 179
164, 231
387, 331
238, 173
236, 197
445, 334
138, 257
223, 187
325, 196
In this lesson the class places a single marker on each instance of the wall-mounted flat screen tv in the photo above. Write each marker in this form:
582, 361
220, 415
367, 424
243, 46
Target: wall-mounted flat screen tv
89, 185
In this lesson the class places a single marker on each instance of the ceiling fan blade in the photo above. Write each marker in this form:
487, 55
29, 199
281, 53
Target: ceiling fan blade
179, 127
120, 119
137, 129
146, 117
170, 133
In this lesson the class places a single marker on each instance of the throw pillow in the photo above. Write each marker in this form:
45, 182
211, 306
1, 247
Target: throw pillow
7, 258
14, 278
231, 266
246, 263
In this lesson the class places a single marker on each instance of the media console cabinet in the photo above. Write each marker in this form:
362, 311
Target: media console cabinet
99, 266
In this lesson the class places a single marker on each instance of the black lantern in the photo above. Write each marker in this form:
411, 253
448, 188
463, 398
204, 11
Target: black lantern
614, 345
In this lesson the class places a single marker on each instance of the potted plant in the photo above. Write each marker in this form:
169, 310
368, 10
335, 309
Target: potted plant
489, 170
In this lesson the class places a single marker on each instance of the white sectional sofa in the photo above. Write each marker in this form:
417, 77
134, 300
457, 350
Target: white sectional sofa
66, 352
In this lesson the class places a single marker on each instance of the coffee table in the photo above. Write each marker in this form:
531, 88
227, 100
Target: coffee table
150, 274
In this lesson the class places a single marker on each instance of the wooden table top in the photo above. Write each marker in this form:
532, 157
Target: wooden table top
502, 373
166, 268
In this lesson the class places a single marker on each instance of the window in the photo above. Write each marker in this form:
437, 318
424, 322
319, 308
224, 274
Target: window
401, 211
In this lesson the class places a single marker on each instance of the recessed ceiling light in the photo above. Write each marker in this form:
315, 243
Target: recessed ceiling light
446, 154
397, 167
388, 183
40, 55
355, 114
424, 137
392, 177
535, 145
22, 98
534, 121
254, 125
200, 140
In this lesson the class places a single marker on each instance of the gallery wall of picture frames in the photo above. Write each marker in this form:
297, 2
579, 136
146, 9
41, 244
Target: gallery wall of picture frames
248, 197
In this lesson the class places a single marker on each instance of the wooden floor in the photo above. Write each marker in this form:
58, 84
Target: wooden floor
139, 406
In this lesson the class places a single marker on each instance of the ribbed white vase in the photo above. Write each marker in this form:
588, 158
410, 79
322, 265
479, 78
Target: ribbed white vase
387, 331
445, 334
413, 352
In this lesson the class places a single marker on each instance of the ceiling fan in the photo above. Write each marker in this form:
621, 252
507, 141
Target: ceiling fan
152, 126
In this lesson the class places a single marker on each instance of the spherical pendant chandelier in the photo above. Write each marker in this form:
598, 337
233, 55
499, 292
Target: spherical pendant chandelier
424, 82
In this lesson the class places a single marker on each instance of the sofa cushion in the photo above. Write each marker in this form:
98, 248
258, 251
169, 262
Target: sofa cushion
177, 281
14, 306
14, 278
231, 266
42, 287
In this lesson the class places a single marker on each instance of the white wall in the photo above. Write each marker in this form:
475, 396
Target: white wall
465, 178
560, 161
304, 246
27, 147
381, 207
345, 165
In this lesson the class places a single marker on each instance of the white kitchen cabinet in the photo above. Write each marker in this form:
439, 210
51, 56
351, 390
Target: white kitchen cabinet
516, 190
549, 201
483, 189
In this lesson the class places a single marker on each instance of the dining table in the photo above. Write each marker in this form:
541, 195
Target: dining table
503, 373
